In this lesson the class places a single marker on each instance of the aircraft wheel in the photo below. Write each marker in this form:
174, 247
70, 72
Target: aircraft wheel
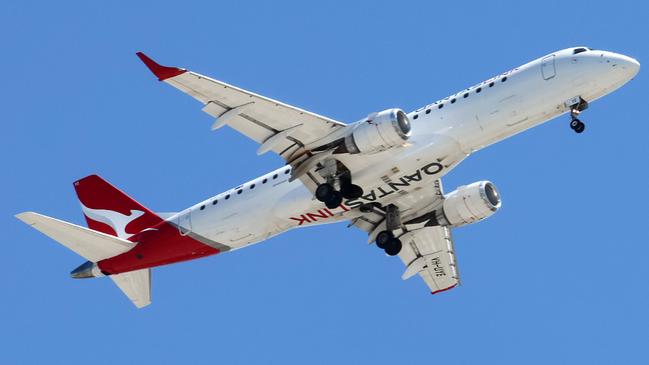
334, 201
394, 247
351, 191
383, 238
580, 127
324, 192
574, 123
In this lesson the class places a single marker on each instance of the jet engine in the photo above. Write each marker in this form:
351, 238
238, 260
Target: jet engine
468, 204
379, 132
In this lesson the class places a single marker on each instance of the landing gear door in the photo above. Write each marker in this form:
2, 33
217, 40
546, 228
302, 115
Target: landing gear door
548, 69
185, 222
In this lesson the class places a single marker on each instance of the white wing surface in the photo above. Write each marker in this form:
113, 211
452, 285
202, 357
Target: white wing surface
426, 251
429, 252
278, 127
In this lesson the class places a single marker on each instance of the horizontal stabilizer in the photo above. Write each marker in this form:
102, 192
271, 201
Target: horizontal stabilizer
136, 285
94, 246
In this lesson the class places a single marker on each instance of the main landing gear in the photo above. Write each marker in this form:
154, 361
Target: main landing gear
577, 125
327, 193
332, 198
386, 240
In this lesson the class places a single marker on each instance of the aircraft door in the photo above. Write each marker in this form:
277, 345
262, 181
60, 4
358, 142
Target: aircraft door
185, 222
548, 69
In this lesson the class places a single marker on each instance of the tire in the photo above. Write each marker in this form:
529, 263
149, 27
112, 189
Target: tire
394, 247
574, 124
580, 127
334, 201
383, 239
351, 191
323, 192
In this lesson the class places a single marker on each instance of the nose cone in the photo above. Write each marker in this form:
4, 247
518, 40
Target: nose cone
630, 66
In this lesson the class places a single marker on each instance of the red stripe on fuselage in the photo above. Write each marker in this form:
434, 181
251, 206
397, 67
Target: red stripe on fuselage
156, 246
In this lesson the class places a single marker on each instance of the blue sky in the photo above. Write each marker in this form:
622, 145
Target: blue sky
558, 275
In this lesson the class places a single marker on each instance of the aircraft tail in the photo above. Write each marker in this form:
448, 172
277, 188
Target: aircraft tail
109, 210
113, 217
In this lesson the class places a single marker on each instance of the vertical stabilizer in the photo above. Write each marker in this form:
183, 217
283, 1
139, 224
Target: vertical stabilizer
109, 210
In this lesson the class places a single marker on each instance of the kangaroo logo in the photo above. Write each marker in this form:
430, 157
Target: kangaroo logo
117, 221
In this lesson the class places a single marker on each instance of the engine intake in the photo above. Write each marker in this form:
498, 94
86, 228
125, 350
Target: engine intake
379, 132
469, 204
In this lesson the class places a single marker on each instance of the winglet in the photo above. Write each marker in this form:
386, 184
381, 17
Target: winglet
161, 72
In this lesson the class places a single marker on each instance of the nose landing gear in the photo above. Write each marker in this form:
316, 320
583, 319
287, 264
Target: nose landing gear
576, 107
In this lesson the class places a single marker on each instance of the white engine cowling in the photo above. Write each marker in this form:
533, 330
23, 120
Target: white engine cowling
469, 204
379, 132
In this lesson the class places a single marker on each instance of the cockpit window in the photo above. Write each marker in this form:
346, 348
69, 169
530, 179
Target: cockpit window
579, 50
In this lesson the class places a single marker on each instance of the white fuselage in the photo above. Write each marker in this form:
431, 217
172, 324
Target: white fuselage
441, 138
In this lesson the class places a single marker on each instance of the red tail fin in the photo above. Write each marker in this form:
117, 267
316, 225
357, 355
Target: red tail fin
109, 210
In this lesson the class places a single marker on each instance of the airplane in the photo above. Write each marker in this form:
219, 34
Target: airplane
381, 173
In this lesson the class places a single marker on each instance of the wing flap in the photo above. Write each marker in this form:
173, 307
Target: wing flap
429, 252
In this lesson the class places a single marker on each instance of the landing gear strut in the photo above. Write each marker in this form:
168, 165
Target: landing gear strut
386, 240
577, 125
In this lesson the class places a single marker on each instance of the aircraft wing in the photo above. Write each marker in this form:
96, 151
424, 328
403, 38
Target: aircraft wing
278, 127
427, 251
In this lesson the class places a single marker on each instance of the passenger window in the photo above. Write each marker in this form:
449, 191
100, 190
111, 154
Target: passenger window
427, 111
264, 181
202, 207
215, 201
416, 116
227, 197
504, 79
252, 186
239, 191
274, 176
466, 95
452, 101
440, 106
491, 84
478, 90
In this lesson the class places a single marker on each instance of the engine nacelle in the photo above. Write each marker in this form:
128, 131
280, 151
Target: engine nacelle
469, 204
379, 132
